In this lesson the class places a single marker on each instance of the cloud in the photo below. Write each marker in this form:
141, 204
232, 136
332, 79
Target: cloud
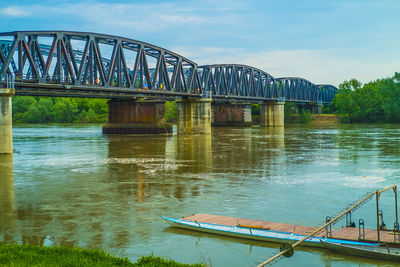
116, 16
14, 11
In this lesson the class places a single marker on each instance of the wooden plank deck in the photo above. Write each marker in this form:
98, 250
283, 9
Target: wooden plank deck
347, 233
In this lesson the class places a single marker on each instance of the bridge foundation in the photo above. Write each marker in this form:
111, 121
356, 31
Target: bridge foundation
231, 114
194, 116
136, 117
6, 141
272, 114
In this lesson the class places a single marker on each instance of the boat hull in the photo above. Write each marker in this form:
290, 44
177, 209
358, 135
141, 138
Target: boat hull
381, 253
255, 234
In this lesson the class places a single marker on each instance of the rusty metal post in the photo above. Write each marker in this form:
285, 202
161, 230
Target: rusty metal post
377, 216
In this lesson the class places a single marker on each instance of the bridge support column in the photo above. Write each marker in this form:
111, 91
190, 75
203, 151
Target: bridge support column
194, 116
6, 141
272, 114
136, 117
314, 108
231, 114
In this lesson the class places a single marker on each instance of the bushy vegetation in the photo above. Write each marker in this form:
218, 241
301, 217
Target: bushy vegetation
171, 111
255, 113
28, 255
31, 109
150, 261
289, 110
326, 110
305, 116
377, 101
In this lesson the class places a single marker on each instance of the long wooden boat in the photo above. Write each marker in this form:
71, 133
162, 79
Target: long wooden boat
376, 252
258, 233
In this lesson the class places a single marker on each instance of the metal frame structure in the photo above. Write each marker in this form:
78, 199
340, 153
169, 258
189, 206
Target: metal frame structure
62, 68
235, 81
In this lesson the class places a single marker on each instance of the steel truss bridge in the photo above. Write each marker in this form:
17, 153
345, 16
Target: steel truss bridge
61, 63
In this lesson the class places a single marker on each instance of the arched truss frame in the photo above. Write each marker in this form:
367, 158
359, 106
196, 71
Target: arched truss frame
60, 63
61, 68
234, 81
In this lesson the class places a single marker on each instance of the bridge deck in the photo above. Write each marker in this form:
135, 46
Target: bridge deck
346, 233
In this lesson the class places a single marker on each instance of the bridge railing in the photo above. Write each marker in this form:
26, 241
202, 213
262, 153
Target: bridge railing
7, 80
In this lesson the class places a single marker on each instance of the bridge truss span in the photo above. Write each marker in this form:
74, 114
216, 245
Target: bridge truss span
95, 63
237, 81
234, 81
65, 63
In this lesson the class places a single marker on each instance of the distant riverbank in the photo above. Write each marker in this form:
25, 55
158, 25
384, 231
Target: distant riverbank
318, 119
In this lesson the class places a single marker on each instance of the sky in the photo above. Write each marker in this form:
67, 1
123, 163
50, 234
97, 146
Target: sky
324, 41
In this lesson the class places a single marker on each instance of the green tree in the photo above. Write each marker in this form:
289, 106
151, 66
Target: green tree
289, 110
99, 106
377, 101
21, 104
44, 106
64, 110
170, 111
305, 116
49, 109
32, 115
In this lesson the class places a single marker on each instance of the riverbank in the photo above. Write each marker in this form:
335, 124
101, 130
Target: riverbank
318, 119
28, 255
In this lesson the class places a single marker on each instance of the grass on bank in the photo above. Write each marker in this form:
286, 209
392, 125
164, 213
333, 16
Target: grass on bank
29, 255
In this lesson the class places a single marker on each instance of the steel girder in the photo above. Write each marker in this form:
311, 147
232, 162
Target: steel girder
62, 68
299, 88
61, 63
233, 81
327, 92
5, 46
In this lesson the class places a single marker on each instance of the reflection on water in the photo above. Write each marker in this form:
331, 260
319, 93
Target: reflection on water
72, 186
144, 166
195, 150
7, 210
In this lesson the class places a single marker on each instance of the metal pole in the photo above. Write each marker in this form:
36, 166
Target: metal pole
394, 187
377, 215
395, 203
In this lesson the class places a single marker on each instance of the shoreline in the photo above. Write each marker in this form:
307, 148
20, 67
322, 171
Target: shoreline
29, 255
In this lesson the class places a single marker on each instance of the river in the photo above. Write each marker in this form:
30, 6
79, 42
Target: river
69, 185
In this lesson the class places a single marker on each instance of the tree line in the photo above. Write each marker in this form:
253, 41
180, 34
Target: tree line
35, 109
376, 101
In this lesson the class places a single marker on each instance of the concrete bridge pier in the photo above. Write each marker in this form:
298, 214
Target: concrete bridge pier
6, 141
136, 117
194, 116
314, 108
231, 114
272, 114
